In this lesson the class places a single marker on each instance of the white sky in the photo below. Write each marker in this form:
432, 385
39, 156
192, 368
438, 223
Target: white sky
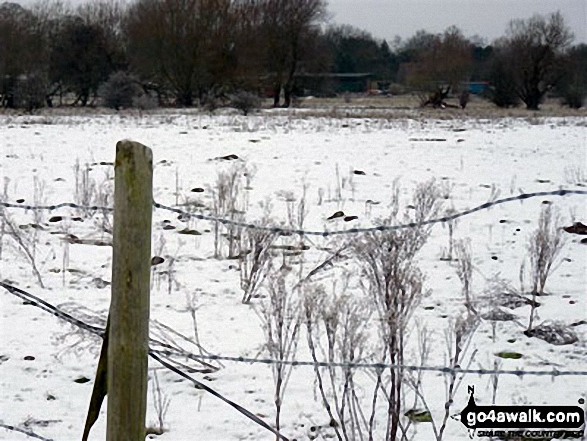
487, 18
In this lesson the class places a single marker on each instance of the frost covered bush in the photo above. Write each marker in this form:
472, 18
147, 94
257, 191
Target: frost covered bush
393, 280
245, 102
120, 90
255, 259
212, 103
555, 333
281, 321
144, 102
343, 320
544, 246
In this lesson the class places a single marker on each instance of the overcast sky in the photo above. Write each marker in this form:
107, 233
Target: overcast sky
487, 18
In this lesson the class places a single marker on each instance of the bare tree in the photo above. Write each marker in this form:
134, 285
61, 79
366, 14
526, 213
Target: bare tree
108, 15
531, 51
441, 66
573, 87
185, 45
49, 24
23, 56
80, 57
287, 26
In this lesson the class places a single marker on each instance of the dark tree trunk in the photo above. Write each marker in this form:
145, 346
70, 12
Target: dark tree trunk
185, 98
287, 97
533, 100
289, 84
276, 95
436, 100
464, 99
9, 101
84, 97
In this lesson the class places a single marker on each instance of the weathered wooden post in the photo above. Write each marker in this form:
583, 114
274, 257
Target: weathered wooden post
128, 343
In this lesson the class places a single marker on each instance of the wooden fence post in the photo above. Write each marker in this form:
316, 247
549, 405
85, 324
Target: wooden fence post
128, 344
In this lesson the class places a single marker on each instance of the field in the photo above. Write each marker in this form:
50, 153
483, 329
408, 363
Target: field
328, 168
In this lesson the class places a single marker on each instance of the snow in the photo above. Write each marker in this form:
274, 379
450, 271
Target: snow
478, 160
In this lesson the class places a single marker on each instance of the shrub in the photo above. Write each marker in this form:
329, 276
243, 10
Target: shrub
255, 259
574, 97
396, 285
396, 89
555, 333
281, 321
502, 91
120, 90
502, 96
211, 105
464, 98
245, 102
144, 102
30, 92
544, 246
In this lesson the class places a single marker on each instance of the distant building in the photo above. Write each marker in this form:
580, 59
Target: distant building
329, 84
476, 87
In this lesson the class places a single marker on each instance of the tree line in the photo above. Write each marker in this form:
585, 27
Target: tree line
194, 52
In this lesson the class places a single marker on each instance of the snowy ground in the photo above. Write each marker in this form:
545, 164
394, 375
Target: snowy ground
475, 159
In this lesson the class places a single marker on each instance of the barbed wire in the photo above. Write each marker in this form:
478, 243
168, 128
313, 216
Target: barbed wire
168, 350
155, 354
172, 351
383, 366
29, 298
25, 432
56, 206
301, 232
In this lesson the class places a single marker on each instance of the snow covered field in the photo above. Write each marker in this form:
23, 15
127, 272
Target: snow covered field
347, 165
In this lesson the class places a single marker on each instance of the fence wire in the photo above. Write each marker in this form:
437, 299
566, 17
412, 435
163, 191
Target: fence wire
156, 354
300, 232
169, 351
28, 433
172, 351
383, 366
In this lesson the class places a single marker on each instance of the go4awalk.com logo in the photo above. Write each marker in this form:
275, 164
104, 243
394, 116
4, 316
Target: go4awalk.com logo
527, 421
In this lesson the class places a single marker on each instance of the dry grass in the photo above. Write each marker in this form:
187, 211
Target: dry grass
408, 106
360, 106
